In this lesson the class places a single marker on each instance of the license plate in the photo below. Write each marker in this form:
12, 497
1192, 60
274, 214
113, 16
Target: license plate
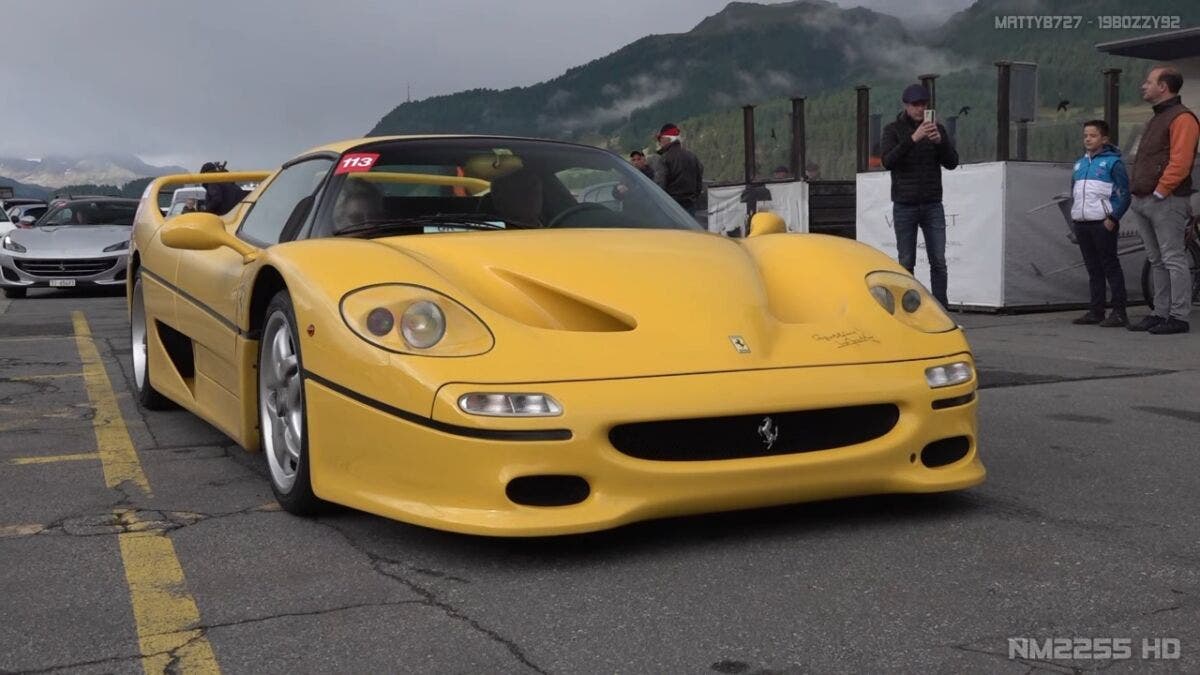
62, 283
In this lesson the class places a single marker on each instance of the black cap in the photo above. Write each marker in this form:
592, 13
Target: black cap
914, 93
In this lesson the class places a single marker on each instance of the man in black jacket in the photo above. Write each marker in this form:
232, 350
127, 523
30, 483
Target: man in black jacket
220, 198
680, 173
915, 151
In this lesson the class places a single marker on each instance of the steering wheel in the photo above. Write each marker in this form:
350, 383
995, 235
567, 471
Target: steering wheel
556, 221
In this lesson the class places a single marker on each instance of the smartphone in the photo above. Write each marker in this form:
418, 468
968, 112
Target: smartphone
929, 115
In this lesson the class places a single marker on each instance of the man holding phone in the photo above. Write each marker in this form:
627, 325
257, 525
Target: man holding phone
915, 148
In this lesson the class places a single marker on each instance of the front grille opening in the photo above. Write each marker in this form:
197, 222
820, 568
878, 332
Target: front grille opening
65, 267
764, 435
120, 275
946, 451
547, 490
11, 275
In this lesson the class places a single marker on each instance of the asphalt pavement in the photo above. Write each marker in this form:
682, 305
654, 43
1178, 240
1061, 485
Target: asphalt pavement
136, 541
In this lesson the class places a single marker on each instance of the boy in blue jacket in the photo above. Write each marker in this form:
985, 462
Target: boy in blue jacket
1100, 187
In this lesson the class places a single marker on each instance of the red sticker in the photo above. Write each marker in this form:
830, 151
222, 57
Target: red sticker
359, 161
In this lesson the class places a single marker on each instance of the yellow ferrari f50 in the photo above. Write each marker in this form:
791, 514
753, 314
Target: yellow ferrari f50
506, 336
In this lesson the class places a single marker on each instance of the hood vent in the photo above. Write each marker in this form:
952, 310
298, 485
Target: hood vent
555, 309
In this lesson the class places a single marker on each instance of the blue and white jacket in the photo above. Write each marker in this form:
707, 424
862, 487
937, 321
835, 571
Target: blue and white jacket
1100, 186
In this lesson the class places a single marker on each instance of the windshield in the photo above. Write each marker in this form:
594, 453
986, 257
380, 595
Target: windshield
457, 184
89, 213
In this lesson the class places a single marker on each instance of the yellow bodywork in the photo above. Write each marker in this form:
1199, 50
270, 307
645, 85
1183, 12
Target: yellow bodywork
620, 326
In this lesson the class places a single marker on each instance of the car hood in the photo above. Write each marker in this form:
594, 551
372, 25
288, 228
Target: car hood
636, 303
70, 241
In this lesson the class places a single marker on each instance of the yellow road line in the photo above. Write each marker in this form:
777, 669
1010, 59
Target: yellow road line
36, 338
52, 376
51, 459
112, 439
166, 615
19, 530
165, 612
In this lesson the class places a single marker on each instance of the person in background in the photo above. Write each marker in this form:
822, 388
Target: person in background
220, 198
916, 151
681, 174
781, 173
638, 159
1100, 188
1161, 183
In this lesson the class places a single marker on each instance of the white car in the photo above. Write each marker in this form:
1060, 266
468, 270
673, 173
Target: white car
78, 242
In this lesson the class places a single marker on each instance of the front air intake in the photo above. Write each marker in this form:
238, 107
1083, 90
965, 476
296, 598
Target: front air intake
547, 490
946, 451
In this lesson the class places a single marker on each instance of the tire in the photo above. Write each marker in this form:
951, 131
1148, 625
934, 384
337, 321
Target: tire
139, 337
1193, 254
282, 415
14, 292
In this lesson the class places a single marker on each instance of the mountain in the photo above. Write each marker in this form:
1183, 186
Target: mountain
60, 171
761, 54
745, 53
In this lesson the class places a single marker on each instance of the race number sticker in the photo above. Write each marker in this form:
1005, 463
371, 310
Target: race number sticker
359, 161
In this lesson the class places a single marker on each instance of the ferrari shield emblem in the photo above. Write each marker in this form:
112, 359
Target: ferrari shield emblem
739, 344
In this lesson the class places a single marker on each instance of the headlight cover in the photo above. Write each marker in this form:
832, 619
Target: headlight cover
119, 246
10, 245
905, 298
409, 319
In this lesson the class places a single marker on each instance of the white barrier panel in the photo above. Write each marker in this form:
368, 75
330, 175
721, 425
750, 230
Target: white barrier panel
1008, 241
973, 198
1042, 262
727, 209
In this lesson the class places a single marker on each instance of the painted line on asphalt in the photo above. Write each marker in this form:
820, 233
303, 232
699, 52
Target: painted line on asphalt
116, 450
51, 376
8, 531
36, 338
165, 612
52, 459
166, 615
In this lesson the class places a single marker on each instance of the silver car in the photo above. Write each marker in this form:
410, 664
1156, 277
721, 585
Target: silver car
78, 242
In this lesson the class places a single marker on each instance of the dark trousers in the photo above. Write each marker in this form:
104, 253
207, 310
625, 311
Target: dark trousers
1099, 248
931, 219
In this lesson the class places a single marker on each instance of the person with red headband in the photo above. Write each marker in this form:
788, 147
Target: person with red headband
681, 174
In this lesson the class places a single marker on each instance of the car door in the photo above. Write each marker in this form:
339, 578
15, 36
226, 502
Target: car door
212, 284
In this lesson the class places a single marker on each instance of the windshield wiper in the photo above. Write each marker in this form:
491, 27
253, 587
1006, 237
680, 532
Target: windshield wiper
472, 221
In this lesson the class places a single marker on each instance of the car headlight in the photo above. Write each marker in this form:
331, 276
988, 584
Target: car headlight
949, 375
905, 298
411, 319
10, 245
119, 246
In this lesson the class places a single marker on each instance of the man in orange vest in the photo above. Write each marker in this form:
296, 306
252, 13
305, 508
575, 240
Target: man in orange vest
1161, 181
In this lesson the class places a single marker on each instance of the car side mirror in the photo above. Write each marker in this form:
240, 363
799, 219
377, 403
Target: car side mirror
765, 222
204, 232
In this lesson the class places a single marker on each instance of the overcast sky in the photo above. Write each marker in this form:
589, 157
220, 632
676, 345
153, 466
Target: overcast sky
256, 82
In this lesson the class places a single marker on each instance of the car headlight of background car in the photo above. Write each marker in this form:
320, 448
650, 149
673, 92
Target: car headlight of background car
119, 246
906, 299
10, 245
411, 319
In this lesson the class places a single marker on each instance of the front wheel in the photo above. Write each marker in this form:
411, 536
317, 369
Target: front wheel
1193, 255
282, 419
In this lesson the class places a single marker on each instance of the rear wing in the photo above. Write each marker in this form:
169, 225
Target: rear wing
148, 211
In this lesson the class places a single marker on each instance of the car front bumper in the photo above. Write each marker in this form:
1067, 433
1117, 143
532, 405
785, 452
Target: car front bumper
455, 471
25, 270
